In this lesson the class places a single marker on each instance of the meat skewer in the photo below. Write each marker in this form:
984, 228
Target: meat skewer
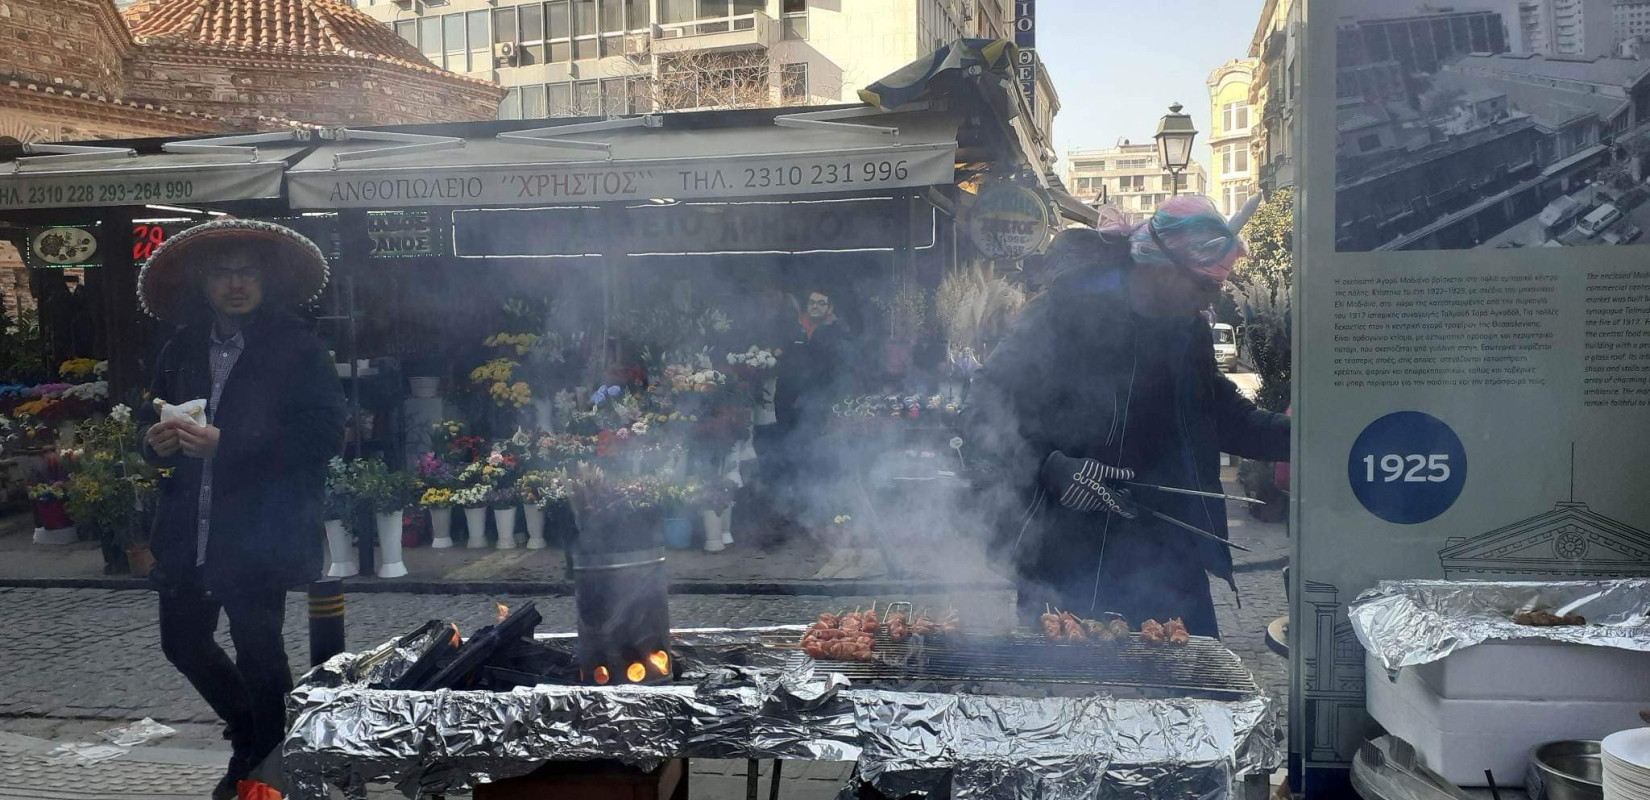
1152, 632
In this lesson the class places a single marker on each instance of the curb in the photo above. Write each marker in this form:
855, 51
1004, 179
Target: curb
565, 589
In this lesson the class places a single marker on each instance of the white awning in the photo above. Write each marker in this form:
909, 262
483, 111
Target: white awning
102, 177
835, 152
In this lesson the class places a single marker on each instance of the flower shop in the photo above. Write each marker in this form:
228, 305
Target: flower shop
598, 314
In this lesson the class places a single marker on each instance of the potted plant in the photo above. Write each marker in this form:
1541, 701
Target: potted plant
51, 517
439, 479
342, 559
539, 490
502, 501
108, 485
677, 502
386, 494
716, 510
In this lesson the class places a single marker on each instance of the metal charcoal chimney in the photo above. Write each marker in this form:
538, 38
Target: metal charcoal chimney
623, 607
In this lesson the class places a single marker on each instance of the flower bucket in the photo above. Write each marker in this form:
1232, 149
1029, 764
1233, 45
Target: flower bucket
896, 357
441, 528
713, 531
476, 520
140, 559
535, 526
505, 520
389, 545
340, 551
678, 532
53, 515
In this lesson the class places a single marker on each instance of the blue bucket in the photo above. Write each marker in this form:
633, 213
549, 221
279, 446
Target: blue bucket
678, 532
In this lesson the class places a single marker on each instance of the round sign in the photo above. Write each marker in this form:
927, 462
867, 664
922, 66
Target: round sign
64, 247
1008, 222
1407, 467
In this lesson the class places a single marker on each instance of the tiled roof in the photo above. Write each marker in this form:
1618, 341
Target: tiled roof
276, 27
58, 90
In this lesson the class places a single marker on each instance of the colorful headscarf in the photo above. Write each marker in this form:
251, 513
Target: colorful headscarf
1189, 232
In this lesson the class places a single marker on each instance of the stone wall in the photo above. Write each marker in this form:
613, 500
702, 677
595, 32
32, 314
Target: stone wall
71, 44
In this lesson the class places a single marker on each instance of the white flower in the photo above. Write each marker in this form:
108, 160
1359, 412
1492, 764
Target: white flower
640, 429
121, 414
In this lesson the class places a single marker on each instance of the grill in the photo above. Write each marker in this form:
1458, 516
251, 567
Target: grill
1202, 668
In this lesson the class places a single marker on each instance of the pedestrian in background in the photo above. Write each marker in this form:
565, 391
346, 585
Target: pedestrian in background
239, 518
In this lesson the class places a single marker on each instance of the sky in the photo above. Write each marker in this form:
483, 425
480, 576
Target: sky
1117, 66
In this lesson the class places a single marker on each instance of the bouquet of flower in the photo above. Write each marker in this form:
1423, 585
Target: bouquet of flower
436, 473
542, 488
502, 497
340, 489
48, 492
435, 497
556, 450
499, 378
753, 360
88, 392
594, 492
77, 370
472, 486
384, 491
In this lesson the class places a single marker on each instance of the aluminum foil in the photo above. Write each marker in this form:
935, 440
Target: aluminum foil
1413, 622
747, 705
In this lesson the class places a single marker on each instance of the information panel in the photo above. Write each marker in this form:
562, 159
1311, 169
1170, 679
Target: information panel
1472, 328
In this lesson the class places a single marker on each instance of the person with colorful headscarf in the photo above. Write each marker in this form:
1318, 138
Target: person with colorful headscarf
1107, 378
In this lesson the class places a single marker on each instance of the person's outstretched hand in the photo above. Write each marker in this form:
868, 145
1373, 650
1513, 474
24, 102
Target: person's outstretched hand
1080, 484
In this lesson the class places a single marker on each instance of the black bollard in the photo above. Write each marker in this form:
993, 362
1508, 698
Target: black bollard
326, 620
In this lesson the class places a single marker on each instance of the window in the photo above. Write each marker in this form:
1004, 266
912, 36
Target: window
641, 95
532, 34
560, 97
587, 98
795, 6
429, 39
559, 25
584, 17
1234, 117
1235, 196
1234, 158
532, 102
481, 42
504, 25
613, 97
1369, 142
671, 11
510, 106
452, 26
793, 84
408, 30
636, 11
613, 16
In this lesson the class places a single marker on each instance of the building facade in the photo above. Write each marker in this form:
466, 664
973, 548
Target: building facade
1632, 18
1129, 177
1231, 161
562, 58
1564, 27
1274, 92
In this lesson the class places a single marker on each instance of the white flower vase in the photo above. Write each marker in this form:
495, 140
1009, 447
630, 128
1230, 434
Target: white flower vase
441, 528
535, 526
341, 558
713, 531
476, 520
505, 520
389, 545
727, 524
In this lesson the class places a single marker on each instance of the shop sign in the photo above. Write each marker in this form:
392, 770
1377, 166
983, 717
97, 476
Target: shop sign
686, 228
136, 187
402, 234
63, 246
724, 177
147, 237
1025, 40
1008, 223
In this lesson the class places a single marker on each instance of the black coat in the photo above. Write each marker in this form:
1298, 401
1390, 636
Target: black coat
812, 375
281, 418
1063, 379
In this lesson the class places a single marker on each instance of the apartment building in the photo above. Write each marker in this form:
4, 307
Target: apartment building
562, 58
1129, 177
1231, 162
1564, 27
1275, 89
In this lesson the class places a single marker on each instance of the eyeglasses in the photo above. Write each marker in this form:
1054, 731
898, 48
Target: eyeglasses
819, 303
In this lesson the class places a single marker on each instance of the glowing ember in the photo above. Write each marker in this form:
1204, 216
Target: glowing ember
636, 673
503, 611
456, 640
660, 661
601, 676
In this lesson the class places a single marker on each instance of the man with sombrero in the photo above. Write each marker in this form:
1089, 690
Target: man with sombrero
239, 519
1107, 381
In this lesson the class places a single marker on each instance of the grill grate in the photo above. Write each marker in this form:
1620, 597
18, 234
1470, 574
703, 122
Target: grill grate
1202, 668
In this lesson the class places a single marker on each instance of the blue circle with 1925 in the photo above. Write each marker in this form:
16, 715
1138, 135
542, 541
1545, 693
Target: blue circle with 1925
1407, 467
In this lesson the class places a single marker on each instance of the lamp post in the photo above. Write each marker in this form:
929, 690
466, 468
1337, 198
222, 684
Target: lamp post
1174, 144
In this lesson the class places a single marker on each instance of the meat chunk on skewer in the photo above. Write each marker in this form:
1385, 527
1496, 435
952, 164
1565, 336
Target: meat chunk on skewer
1152, 632
1176, 630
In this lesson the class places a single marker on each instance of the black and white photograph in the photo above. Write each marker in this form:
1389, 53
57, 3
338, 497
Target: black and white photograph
1491, 123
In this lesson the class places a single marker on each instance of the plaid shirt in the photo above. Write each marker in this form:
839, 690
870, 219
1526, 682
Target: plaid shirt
222, 355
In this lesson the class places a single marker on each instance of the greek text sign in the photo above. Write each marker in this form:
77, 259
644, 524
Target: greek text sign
721, 177
690, 228
139, 186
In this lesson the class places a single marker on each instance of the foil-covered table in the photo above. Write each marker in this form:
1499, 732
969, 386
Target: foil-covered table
737, 701
1412, 622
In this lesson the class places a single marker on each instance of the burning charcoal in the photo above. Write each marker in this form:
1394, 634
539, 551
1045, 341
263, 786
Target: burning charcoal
481, 648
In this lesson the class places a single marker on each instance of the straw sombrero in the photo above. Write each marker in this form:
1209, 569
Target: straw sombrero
164, 286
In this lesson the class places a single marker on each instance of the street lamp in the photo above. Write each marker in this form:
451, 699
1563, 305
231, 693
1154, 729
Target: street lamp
1174, 143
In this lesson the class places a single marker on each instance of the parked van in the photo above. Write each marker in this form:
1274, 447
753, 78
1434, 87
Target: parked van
1599, 219
1225, 346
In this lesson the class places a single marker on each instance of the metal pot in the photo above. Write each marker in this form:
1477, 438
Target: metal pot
624, 617
1565, 770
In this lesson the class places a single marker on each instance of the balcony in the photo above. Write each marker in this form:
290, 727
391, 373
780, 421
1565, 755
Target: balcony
755, 31
1280, 171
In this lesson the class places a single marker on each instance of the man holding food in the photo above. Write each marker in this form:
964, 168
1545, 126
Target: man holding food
248, 410
1098, 424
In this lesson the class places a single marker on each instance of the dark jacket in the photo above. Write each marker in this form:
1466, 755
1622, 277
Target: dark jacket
281, 418
812, 375
1064, 379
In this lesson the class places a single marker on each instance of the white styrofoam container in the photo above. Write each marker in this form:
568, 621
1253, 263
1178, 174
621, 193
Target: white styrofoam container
1460, 737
